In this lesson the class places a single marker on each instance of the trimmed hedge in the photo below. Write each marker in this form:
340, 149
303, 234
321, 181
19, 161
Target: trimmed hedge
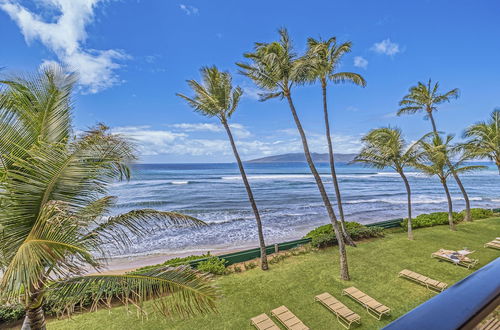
478, 213
431, 219
172, 262
441, 218
324, 236
213, 265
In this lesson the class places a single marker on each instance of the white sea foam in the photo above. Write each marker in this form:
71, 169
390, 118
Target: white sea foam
179, 182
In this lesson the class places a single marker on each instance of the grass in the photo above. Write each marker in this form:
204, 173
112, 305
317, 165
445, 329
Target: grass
294, 282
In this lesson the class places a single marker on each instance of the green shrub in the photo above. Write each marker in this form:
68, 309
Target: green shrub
324, 236
172, 262
213, 265
431, 219
478, 213
10, 313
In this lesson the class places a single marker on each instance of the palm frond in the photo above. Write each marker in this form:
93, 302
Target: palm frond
173, 291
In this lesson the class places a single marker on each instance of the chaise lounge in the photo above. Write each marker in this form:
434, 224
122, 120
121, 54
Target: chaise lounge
423, 280
494, 244
288, 319
455, 257
344, 315
372, 306
263, 322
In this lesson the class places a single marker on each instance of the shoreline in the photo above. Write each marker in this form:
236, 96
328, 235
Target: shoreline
121, 265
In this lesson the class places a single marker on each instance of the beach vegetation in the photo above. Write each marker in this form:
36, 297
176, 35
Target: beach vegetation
212, 265
323, 236
386, 148
321, 63
216, 97
425, 98
484, 139
55, 216
274, 67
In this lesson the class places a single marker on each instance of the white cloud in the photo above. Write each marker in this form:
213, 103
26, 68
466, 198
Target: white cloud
386, 47
65, 35
156, 142
189, 10
198, 127
360, 62
251, 92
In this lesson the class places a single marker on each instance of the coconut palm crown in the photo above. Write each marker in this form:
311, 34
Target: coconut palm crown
56, 217
385, 147
424, 98
484, 139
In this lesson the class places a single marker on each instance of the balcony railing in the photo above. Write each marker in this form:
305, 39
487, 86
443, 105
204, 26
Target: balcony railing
461, 306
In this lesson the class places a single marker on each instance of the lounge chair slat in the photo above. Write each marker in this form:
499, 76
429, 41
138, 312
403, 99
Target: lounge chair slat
288, 319
345, 316
424, 280
263, 322
374, 308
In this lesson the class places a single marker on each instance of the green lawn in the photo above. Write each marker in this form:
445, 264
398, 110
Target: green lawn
295, 281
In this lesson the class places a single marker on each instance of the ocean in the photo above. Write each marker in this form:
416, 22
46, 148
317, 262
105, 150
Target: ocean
287, 197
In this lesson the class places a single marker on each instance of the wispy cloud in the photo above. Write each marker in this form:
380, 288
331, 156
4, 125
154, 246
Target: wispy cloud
189, 127
360, 62
155, 142
65, 35
386, 47
189, 10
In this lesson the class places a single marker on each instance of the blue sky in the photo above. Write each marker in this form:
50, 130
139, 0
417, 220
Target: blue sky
133, 56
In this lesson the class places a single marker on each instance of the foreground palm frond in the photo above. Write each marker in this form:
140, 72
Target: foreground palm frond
55, 215
174, 291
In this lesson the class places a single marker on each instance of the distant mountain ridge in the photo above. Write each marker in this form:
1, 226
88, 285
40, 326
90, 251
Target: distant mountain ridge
299, 158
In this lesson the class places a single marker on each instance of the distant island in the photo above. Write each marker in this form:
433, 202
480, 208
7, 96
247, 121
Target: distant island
299, 158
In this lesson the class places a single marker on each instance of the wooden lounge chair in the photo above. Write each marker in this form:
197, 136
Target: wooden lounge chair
495, 244
491, 324
263, 322
372, 306
344, 315
424, 280
288, 319
455, 258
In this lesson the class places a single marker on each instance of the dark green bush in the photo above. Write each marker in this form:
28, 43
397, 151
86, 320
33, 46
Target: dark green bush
323, 236
173, 262
478, 213
432, 219
213, 265
10, 313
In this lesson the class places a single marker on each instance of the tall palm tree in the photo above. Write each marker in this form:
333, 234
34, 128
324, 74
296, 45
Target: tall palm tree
56, 215
216, 97
484, 139
425, 98
434, 160
274, 68
322, 61
385, 147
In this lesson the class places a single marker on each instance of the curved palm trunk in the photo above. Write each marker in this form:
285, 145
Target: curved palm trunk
408, 193
35, 317
262, 244
346, 236
450, 205
467, 216
344, 270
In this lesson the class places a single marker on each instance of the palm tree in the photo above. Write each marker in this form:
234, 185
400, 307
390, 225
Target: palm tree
56, 215
425, 98
322, 61
434, 160
216, 97
385, 147
485, 139
274, 68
